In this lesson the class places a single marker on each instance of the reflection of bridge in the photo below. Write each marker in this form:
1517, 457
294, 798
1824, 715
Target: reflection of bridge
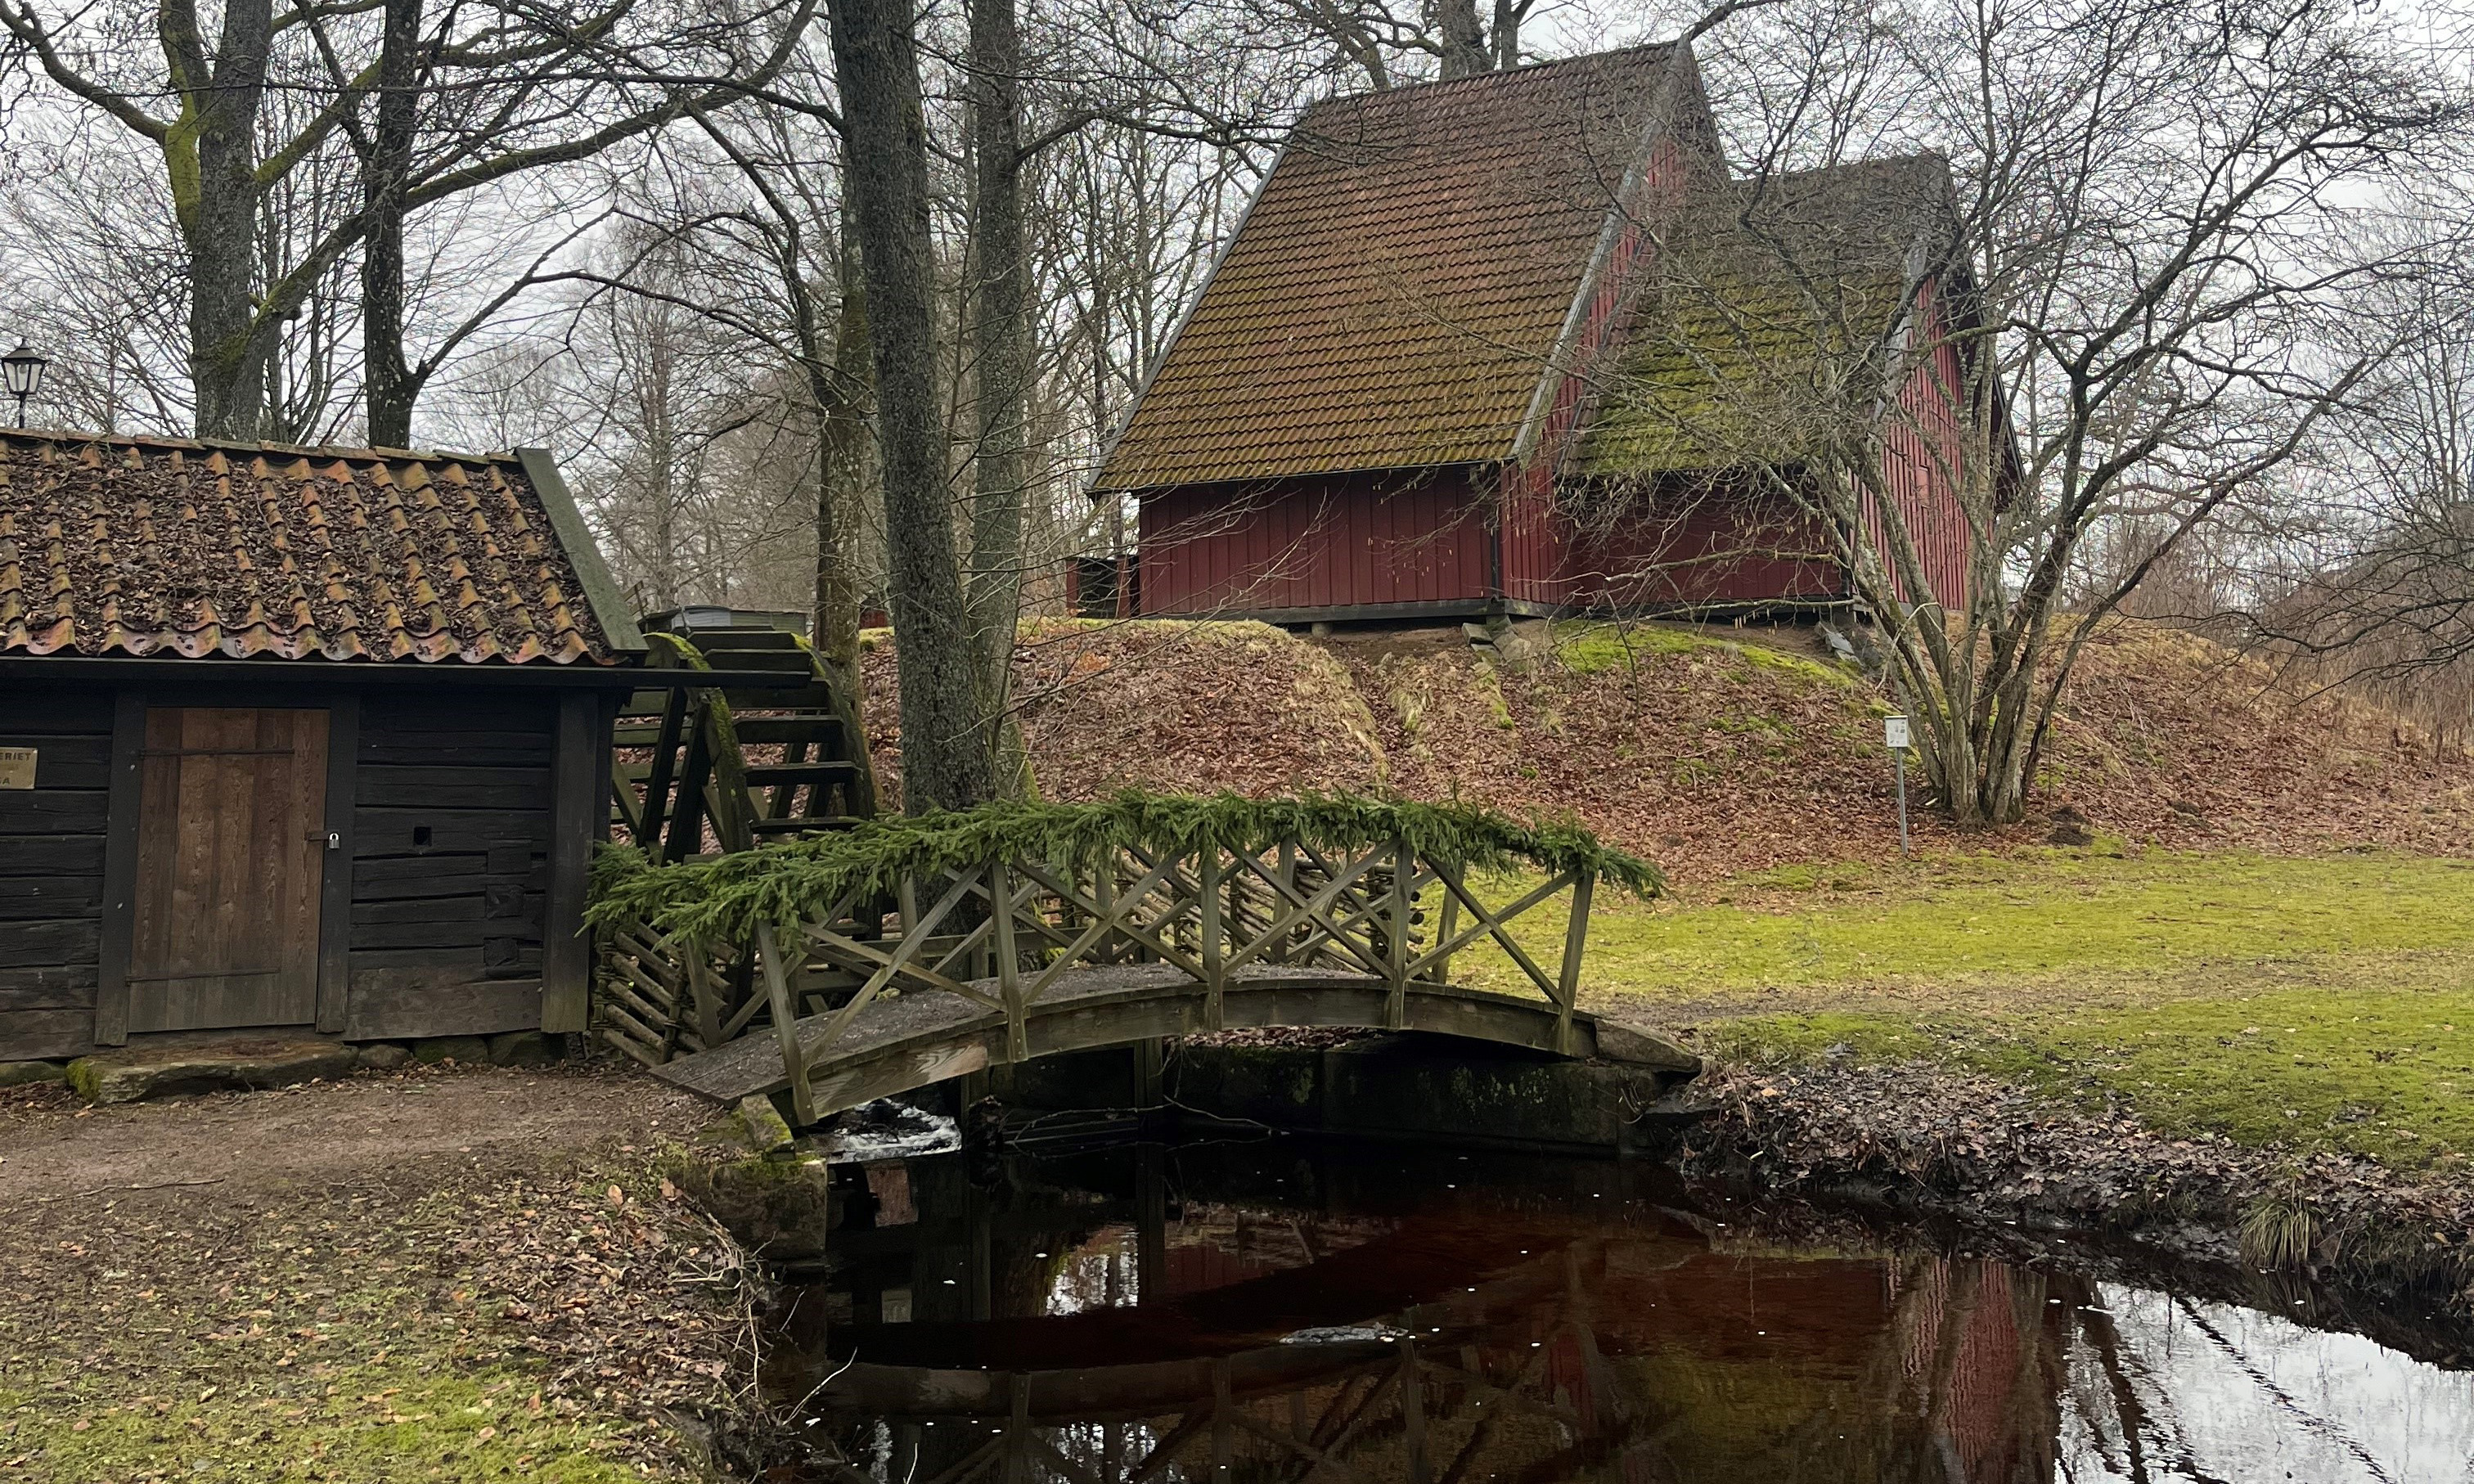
1497, 1344
1017, 955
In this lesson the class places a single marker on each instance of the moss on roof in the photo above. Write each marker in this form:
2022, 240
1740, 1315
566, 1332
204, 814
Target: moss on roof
1763, 336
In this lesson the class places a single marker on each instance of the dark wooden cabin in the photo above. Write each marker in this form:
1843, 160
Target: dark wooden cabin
298, 738
1459, 358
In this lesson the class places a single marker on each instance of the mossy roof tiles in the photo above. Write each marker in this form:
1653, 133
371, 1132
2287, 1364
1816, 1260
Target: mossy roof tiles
1397, 286
1766, 329
164, 547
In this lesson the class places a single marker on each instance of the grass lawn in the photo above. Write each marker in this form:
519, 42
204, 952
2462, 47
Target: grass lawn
2321, 1002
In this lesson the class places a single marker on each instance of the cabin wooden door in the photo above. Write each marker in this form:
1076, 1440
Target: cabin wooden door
230, 843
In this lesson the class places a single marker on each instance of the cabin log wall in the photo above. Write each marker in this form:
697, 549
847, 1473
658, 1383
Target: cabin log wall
450, 863
52, 845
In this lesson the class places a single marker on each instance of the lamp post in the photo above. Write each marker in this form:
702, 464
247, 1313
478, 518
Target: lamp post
21, 374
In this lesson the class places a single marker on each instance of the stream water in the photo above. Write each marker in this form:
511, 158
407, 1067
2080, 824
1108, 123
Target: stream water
1304, 1311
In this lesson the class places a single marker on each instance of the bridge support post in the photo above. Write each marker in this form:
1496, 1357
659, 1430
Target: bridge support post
1009, 962
1395, 950
786, 1023
1575, 937
1207, 875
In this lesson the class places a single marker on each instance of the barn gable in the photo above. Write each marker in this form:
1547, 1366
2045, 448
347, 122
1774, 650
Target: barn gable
1398, 290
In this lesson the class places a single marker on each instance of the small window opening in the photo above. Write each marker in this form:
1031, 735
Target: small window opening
420, 835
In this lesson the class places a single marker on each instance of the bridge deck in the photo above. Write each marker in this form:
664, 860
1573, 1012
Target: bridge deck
906, 1043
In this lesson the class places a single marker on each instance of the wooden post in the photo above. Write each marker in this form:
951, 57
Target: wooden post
120, 866
1207, 875
1575, 937
579, 814
1395, 959
658, 777
335, 853
1009, 962
785, 1024
684, 830
1446, 929
1280, 953
1104, 891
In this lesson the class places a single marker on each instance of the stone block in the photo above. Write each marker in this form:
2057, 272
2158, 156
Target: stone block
462, 1050
206, 1063
20, 1074
523, 1048
383, 1056
768, 1132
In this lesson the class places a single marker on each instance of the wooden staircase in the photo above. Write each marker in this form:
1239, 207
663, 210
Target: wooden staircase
701, 771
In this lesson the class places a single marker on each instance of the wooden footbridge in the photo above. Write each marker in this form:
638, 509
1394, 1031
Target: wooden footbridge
894, 954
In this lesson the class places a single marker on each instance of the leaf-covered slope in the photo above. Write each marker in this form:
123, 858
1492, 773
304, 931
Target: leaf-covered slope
1711, 752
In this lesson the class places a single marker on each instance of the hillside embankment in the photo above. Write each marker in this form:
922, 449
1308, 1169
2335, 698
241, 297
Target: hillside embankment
1713, 751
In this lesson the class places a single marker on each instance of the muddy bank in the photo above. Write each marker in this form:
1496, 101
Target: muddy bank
1912, 1143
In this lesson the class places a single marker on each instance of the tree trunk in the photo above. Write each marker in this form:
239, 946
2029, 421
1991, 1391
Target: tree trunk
1465, 53
215, 198
1000, 362
841, 463
945, 756
388, 384
837, 400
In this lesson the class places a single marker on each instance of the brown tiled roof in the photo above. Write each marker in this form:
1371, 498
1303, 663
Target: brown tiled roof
1397, 285
163, 546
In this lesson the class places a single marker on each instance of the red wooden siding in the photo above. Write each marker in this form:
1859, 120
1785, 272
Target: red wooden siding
1919, 482
1337, 540
1538, 537
1710, 547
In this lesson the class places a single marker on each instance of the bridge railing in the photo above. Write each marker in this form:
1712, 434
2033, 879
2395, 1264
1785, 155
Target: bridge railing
1219, 892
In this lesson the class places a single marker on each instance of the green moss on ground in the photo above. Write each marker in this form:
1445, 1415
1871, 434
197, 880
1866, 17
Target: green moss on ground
405, 1416
1995, 921
2380, 1063
1588, 648
2308, 1003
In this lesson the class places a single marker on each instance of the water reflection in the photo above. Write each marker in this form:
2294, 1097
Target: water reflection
1312, 1315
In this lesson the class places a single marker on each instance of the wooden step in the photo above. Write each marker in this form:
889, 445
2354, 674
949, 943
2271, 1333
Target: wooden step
817, 697
805, 727
793, 661
797, 826
742, 641
808, 727
822, 771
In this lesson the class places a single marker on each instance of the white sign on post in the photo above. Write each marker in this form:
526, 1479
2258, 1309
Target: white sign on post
1894, 735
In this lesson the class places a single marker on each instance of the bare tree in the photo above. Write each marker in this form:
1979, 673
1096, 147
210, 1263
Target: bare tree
2371, 581
532, 90
2111, 305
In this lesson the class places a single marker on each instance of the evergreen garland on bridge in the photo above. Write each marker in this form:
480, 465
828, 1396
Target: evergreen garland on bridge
724, 898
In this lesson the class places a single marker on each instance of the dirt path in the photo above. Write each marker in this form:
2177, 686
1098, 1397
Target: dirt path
397, 1133
460, 1274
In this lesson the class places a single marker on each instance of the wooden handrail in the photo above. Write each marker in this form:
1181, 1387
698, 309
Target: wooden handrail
1004, 934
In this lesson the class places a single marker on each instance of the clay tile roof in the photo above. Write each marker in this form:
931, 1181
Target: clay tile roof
1766, 332
165, 547
1391, 295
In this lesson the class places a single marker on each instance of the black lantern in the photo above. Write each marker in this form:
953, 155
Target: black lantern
21, 372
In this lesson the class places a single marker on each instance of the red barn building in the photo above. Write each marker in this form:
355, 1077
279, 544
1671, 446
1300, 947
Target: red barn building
1518, 343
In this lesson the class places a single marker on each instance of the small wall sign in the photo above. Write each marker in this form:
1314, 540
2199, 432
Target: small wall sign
16, 768
1894, 732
